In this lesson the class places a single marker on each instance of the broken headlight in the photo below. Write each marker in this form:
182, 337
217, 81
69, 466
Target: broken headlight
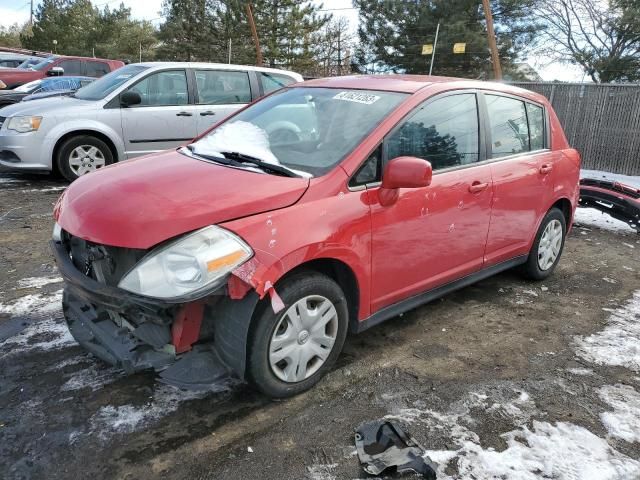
188, 265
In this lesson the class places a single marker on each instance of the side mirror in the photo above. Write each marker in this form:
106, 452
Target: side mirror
55, 72
403, 172
129, 98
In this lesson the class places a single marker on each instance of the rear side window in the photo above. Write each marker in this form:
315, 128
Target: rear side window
220, 87
274, 81
163, 88
97, 69
535, 114
445, 132
508, 125
71, 67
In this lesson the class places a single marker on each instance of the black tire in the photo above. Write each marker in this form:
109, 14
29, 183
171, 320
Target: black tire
259, 371
67, 148
532, 269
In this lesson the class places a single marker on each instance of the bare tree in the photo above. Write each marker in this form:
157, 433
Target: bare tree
603, 37
333, 49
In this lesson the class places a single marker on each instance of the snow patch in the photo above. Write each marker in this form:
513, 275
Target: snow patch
36, 303
624, 421
48, 333
91, 377
112, 419
619, 343
322, 471
580, 371
37, 282
562, 451
590, 217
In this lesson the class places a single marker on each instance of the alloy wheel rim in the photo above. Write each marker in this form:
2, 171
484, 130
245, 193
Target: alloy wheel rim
550, 245
303, 338
85, 159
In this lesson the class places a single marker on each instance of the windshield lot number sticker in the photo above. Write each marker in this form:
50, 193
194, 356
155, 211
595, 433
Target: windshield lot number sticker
365, 98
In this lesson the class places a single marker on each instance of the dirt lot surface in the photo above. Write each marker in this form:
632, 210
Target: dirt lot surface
504, 379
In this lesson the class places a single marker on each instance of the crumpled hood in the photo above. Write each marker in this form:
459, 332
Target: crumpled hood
142, 202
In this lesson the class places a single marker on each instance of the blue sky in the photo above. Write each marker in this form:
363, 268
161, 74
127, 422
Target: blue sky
12, 11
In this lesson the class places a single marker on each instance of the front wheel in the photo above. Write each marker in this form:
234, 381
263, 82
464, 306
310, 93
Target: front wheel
291, 351
81, 155
547, 246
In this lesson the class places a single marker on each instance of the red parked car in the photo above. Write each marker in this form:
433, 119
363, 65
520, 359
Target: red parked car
56, 65
326, 207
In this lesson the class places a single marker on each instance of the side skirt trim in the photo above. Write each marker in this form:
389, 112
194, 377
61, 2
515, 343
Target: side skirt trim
412, 302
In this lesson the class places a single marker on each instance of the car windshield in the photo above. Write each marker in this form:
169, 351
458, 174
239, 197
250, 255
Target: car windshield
28, 87
105, 85
307, 130
43, 64
29, 62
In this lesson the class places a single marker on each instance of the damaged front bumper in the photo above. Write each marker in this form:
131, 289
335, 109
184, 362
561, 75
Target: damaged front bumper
192, 345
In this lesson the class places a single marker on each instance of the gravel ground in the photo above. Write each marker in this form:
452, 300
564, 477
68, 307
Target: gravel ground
504, 379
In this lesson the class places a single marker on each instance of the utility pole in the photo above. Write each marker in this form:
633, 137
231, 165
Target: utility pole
254, 32
495, 58
31, 15
229, 51
339, 53
435, 44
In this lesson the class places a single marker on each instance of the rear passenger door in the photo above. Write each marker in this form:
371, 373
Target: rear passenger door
218, 93
164, 119
521, 169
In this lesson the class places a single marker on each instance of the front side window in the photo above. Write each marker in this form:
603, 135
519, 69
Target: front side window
220, 87
71, 67
445, 132
305, 129
105, 85
163, 89
274, 81
535, 114
508, 124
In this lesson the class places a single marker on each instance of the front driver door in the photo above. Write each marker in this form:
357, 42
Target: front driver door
433, 235
165, 117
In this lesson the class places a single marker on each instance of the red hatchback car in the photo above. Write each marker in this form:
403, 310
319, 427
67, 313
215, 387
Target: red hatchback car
327, 207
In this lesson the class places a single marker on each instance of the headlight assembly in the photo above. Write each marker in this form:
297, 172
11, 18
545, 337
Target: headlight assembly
188, 265
24, 124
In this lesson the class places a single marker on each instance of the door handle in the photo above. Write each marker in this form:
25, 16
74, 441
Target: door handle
184, 114
208, 112
477, 187
546, 168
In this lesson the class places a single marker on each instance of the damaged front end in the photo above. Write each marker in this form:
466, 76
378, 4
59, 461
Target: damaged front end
195, 340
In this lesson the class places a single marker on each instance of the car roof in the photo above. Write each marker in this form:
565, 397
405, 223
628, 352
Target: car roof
413, 83
221, 66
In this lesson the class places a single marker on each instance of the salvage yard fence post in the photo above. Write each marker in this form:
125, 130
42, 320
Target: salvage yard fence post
602, 121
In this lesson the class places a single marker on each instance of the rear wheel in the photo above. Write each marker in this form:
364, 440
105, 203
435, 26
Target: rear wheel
291, 351
81, 155
547, 246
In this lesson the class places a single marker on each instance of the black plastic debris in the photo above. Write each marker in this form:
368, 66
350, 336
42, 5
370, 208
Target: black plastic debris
382, 444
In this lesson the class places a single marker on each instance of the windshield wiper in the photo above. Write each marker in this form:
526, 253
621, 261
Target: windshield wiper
241, 157
240, 160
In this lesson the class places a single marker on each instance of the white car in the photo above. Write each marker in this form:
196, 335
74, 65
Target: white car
138, 109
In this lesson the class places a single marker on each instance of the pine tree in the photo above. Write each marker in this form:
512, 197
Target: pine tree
392, 34
286, 28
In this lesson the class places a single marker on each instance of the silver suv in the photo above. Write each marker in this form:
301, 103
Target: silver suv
138, 109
